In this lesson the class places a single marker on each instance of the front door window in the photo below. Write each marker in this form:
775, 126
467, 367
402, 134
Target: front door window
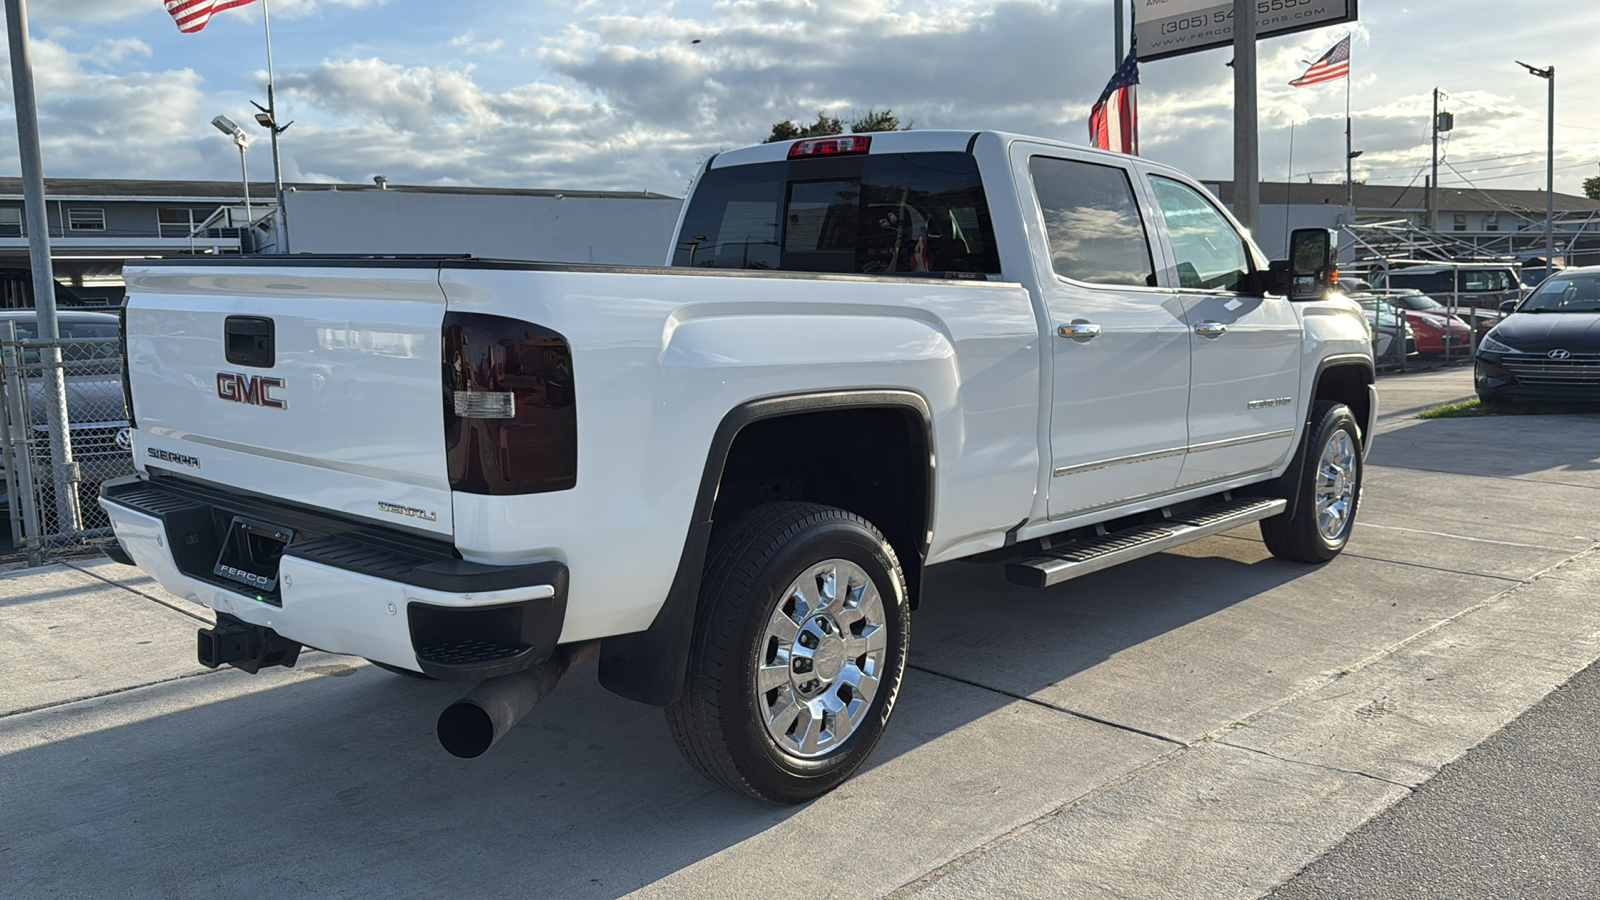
1208, 253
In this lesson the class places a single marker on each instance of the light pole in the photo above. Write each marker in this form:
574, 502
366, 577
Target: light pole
1548, 73
64, 471
265, 119
268, 117
230, 128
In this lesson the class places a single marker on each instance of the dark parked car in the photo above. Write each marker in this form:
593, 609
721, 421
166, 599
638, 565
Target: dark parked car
1549, 346
95, 410
1467, 285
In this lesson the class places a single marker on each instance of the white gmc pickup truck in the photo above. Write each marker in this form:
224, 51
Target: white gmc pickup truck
725, 477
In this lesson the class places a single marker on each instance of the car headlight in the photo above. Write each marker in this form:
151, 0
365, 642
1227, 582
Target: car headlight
1490, 344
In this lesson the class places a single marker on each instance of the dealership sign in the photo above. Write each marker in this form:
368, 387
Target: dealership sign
1174, 27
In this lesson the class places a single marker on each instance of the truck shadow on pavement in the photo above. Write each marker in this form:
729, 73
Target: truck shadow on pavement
329, 778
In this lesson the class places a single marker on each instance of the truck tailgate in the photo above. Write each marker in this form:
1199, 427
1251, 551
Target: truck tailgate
315, 385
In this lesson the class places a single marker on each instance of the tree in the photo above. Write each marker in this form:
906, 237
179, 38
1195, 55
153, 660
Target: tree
787, 130
874, 120
1591, 187
871, 120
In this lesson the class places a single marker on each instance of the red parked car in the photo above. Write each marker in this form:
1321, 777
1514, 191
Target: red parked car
1436, 329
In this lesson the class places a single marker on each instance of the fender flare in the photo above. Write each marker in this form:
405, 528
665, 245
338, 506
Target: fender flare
648, 666
1285, 485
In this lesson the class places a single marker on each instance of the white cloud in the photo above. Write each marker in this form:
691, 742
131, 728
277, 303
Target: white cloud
617, 93
467, 43
131, 125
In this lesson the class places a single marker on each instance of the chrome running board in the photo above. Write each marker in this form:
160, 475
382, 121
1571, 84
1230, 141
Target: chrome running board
1093, 554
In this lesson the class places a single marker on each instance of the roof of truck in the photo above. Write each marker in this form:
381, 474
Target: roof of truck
931, 141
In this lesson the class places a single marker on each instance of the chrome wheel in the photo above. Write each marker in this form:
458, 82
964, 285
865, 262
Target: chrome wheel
821, 658
1336, 484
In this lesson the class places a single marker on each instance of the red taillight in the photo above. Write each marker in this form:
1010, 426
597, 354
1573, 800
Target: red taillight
830, 146
510, 415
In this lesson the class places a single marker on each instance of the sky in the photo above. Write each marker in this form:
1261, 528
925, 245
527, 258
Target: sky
617, 94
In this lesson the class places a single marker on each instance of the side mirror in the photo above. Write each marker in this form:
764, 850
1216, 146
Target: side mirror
1311, 267
1509, 306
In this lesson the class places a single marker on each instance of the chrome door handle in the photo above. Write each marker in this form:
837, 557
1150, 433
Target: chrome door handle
1079, 330
1211, 329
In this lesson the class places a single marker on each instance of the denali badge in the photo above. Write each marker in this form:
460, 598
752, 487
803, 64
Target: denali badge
1275, 401
251, 389
411, 511
169, 456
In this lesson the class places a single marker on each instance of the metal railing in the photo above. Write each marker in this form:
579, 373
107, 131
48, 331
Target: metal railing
51, 485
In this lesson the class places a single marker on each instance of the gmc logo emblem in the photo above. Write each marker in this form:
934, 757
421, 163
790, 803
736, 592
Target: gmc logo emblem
252, 389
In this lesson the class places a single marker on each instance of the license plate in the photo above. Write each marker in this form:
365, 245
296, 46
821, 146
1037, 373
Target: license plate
250, 554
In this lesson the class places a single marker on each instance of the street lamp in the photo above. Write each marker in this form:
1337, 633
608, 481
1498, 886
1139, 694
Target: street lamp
231, 128
1548, 73
266, 119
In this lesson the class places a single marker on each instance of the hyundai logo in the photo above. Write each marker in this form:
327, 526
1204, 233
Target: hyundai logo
1559, 354
125, 439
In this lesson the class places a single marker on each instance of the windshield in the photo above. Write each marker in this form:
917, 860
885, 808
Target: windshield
1565, 294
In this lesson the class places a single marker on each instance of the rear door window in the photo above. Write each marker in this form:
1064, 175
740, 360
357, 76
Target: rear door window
1092, 222
911, 213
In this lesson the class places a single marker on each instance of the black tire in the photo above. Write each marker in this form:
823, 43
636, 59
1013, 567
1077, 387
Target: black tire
399, 671
1299, 537
717, 722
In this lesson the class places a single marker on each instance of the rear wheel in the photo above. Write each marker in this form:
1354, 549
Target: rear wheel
799, 648
1328, 493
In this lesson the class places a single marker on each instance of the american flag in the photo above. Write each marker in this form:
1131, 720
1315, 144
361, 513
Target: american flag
1333, 64
1114, 121
192, 15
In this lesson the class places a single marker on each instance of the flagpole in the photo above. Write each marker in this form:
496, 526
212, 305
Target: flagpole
1133, 89
272, 113
1349, 158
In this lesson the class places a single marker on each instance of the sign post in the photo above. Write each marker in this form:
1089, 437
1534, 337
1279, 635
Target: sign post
1246, 125
1165, 28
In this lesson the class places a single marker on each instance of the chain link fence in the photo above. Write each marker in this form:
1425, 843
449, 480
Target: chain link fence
52, 481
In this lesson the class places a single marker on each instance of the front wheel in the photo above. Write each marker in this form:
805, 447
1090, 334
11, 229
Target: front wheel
1328, 493
799, 647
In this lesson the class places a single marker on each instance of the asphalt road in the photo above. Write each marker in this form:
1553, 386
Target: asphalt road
1205, 723
1517, 816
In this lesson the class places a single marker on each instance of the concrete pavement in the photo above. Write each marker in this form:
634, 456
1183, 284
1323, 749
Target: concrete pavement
1203, 723
1517, 816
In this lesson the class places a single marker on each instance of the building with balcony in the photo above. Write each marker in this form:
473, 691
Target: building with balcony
97, 223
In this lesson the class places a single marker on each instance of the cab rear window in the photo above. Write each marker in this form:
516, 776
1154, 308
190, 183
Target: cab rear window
886, 214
